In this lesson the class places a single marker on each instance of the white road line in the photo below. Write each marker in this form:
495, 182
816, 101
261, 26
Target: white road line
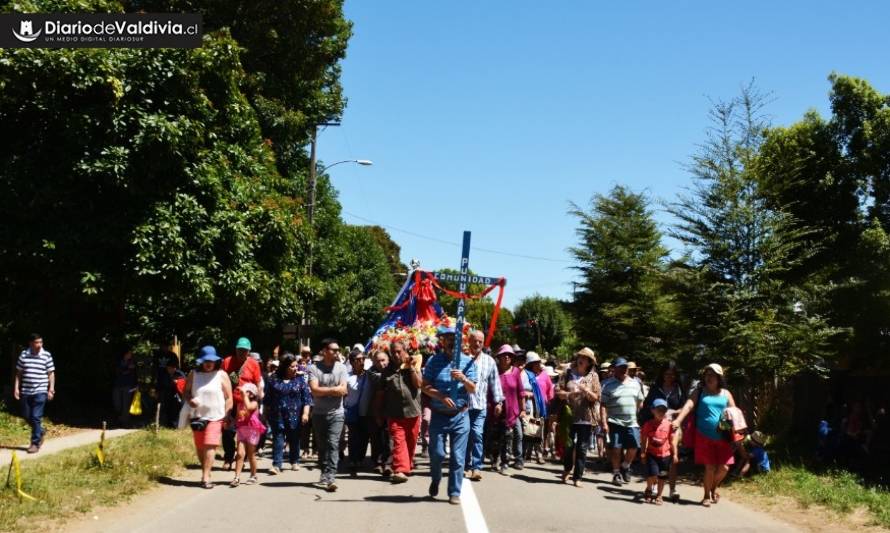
473, 518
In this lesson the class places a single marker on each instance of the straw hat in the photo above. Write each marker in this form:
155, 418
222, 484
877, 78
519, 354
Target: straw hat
588, 353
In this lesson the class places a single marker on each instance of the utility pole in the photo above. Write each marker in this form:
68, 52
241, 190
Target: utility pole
310, 213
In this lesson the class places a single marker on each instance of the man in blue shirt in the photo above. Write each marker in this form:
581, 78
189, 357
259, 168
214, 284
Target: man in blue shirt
449, 389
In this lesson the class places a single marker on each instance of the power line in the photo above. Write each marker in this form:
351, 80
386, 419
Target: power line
452, 243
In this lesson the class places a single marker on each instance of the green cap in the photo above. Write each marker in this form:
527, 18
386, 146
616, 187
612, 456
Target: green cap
243, 344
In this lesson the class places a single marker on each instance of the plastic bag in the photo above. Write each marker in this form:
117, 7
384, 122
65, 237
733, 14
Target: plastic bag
136, 404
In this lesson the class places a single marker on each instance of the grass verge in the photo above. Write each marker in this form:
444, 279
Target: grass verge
837, 491
15, 432
72, 482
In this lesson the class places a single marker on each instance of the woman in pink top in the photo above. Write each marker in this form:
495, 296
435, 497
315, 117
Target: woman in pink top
510, 427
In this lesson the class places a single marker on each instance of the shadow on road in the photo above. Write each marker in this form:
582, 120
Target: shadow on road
165, 480
535, 480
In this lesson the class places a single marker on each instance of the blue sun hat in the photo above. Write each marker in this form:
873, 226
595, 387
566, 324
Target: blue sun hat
207, 354
445, 330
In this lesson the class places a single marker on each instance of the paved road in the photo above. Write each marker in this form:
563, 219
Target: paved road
527, 500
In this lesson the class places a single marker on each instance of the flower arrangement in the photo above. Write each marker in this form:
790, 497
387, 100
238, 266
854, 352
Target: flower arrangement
422, 336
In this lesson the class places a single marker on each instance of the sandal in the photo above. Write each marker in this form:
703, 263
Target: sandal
251, 480
706, 502
658, 501
565, 477
227, 467
235, 482
715, 497
206, 485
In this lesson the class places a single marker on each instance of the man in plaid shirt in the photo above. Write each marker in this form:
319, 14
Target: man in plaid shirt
487, 372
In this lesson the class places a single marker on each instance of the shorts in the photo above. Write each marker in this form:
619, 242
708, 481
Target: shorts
623, 437
248, 435
713, 451
210, 436
658, 466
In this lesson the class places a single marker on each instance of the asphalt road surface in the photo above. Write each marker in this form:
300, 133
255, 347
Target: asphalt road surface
532, 499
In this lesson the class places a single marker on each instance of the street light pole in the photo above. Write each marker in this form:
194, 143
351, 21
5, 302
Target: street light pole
310, 208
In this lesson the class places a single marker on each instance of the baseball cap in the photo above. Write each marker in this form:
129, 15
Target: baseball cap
243, 344
445, 330
659, 402
620, 361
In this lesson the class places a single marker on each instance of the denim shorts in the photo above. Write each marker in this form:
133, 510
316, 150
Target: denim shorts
658, 466
623, 436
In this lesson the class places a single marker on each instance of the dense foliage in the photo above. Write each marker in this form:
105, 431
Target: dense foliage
785, 250
157, 192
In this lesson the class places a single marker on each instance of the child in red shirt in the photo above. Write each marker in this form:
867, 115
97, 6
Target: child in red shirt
659, 450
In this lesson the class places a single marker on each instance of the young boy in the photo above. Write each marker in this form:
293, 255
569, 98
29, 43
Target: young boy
659, 450
757, 453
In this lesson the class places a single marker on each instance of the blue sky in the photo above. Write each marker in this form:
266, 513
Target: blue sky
491, 116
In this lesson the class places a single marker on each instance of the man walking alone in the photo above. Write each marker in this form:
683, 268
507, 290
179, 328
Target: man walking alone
35, 384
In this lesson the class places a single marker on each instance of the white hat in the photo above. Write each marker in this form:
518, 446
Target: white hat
358, 347
550, 371
717, 369
532, 357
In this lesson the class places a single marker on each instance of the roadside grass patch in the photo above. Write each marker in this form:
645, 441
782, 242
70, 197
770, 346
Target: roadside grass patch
15, 432
838, 491
72, 481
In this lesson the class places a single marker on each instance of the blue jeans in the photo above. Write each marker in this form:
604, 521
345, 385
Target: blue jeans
512, 441
475, 442
328, 427
456, 427
292, 437
32, 411
575, 454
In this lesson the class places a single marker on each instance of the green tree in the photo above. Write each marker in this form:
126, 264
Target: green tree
155, 192
542, 323
357, 289
620, 307
393, 252
742, 250
832, 174
480, 314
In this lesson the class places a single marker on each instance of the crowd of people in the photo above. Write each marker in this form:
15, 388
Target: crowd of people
504, 407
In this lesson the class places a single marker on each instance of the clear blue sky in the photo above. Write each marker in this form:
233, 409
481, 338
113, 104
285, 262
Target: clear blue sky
492, 116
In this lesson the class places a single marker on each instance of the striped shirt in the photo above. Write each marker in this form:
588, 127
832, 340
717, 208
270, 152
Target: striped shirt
487, 374
35, 369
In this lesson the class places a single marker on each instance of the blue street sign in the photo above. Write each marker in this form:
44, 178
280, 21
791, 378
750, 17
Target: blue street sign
461, 303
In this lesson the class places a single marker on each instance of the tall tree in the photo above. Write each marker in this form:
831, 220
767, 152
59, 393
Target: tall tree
834, 176
619, 307
154, 192
741, 253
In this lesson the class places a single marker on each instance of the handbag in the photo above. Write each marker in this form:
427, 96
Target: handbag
533, 428
136, 404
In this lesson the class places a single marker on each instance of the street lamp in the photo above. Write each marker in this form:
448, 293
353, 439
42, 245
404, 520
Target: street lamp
313, 182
